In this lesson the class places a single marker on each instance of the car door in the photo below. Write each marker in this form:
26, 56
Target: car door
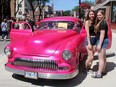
20, 31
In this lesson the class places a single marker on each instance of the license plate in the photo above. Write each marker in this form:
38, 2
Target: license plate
32, 75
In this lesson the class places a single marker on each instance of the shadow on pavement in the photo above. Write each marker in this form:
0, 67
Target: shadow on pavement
55, 83
66, 83
109, 67
108, 55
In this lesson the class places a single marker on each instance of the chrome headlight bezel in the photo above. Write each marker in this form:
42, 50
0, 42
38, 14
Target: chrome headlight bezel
7, 51
66, 54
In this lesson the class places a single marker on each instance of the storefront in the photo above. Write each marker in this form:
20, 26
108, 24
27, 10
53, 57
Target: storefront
109, 6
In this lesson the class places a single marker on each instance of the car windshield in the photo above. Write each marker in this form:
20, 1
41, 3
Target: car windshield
56, 25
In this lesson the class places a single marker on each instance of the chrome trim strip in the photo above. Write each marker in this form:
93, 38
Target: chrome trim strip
45, 75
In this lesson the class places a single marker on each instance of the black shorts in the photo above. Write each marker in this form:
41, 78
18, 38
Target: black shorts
93, 40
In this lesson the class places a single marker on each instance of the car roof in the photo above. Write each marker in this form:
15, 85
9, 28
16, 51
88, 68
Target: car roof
61, 18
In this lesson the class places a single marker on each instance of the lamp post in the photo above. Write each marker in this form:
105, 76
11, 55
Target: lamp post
79, 9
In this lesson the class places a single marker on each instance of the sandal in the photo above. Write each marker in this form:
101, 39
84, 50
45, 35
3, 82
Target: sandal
96, 75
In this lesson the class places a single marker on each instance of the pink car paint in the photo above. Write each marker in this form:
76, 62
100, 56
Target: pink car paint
39, 54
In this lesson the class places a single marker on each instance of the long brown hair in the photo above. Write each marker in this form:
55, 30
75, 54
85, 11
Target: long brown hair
87, 17
97, 22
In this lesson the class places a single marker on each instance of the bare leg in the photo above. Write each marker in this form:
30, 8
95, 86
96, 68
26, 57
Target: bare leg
90, 57
102, 61
105, 62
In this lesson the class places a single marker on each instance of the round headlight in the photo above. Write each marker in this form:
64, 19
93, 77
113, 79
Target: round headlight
7, 51
66, 54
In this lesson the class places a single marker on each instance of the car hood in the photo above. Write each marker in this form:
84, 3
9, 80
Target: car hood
46, 42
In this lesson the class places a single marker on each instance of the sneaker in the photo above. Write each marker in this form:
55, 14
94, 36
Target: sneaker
5, 37
96, 75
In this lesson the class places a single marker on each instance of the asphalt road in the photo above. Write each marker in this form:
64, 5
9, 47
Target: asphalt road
8, 79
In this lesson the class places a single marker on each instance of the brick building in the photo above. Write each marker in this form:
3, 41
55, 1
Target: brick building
109, 6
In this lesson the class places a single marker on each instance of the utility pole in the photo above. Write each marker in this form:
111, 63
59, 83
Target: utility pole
79, 9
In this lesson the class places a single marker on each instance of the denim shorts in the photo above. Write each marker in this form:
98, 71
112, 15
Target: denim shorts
92, 41
104, 44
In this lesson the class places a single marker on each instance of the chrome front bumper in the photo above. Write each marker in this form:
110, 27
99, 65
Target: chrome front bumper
45, 75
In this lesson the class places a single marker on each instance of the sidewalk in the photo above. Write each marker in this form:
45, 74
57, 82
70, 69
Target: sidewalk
3, 39
114, 30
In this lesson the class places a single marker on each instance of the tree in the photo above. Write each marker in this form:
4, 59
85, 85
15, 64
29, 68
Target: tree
76, 9
40, 4
89, 2
67, 13
86, 4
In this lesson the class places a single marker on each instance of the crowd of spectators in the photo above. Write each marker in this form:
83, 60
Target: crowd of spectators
5, 26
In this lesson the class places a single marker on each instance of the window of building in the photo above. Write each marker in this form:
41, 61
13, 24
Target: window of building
113, 17
19, 5
20, 13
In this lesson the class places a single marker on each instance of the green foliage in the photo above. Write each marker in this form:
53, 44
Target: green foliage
82, 12
88, 2
76, 8
67, 13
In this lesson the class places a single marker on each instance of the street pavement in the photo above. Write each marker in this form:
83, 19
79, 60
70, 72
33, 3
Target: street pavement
8, 79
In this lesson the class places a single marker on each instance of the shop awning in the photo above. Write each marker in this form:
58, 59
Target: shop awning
99, 6
107, 2
103, 5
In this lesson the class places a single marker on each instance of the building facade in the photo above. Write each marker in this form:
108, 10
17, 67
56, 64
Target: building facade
109, 6
12, 8
22, 9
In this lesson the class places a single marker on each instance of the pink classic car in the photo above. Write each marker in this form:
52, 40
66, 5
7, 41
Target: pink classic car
51, 51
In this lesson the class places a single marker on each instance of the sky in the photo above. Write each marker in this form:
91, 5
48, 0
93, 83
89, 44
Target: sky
66, 4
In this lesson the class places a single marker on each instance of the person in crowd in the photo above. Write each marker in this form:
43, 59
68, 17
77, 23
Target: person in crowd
9, 22
90, 39
101, 30
4, 29
32, 23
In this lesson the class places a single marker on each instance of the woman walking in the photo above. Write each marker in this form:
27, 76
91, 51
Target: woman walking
4, 30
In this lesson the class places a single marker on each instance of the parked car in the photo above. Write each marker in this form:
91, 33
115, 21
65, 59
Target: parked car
51, 51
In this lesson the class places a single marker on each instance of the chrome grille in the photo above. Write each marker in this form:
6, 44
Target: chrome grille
45, 64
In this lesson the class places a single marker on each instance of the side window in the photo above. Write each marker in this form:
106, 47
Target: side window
78, 26
70, 25
21, 26
26, 27
42, 25
16, 26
